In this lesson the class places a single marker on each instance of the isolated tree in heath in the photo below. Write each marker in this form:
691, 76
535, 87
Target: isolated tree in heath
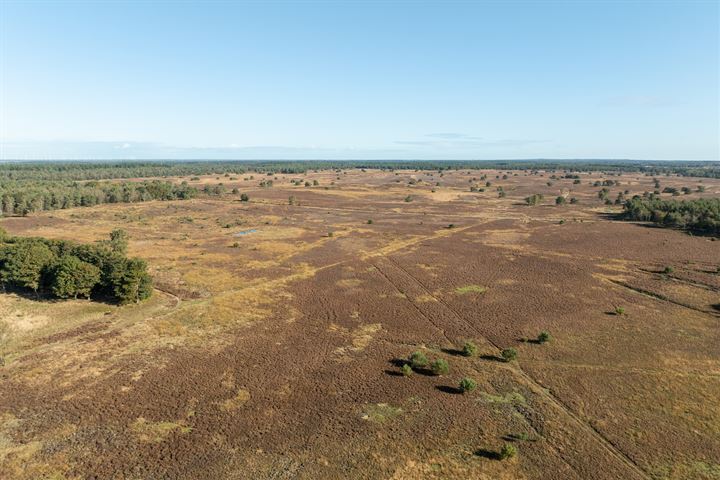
73, 278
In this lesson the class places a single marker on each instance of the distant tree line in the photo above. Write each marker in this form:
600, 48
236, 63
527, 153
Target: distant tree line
700, 215
77, 170
21, 197
70, 270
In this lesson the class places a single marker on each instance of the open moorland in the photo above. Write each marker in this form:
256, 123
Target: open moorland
275, 343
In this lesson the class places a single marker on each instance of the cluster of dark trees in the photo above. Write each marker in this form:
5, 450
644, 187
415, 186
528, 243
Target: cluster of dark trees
138, 169
21, 197
70, 270
700, 215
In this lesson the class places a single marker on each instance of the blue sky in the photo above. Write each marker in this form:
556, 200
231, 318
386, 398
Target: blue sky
368, 80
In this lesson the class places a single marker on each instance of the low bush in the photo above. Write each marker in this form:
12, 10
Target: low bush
469, 349
467, 384
509, 354
440, 367
507, 452
544, 337
418, 359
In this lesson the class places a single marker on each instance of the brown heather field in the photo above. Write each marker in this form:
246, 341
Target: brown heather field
276, 354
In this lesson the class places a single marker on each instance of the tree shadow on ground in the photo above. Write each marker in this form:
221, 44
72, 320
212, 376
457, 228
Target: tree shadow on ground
399, 362
449, 389
492, 358
489, 454
453, 351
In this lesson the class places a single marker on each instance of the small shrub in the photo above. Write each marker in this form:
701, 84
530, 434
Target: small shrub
418, 359
509, 354
244, 197
469, 349
406, 370
507, 452
560, 200
330, 234
668, 270
534, 199
467, 384
370, 222
440, 367
409, 198
544, 337
619, 311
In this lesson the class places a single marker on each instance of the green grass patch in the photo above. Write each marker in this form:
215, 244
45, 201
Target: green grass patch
380, 412
470, 289
511, 398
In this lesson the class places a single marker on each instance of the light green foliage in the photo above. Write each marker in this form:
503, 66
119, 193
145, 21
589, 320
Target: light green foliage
440, 367
418, 359
467, 384
507, 452
469, 349
119, 241
509, 354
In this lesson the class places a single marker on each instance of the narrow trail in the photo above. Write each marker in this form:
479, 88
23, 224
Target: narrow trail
593, 432
704, 286
657, 296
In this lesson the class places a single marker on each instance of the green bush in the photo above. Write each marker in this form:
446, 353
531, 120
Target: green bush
668, 270
507, 452
418, 359
534, 199
406, 370
469, 349
467, 384
544, 336
440, 367
244, 197
619, 311
509, 354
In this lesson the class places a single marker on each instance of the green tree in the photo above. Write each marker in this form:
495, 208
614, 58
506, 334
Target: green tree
119, 241
130, 280
73, 277
25, 262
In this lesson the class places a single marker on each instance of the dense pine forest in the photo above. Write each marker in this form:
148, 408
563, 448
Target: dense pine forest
700, 215
21, 197
70, 270
76, 170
